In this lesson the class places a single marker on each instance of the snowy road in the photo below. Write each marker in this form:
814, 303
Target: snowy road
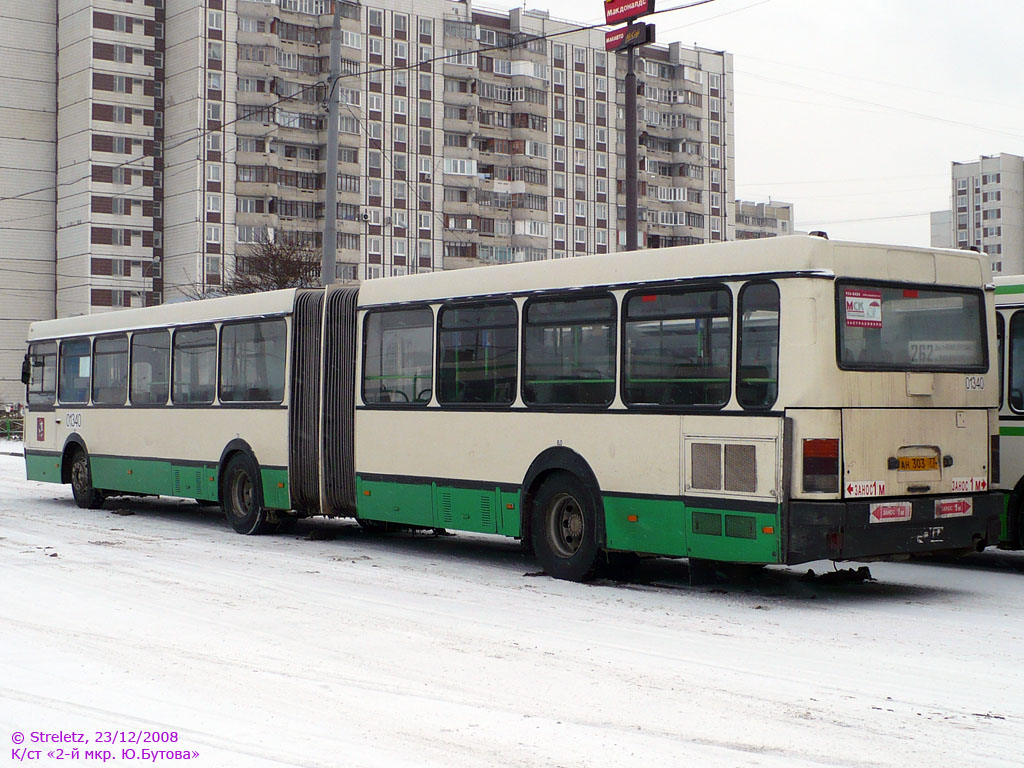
356, 650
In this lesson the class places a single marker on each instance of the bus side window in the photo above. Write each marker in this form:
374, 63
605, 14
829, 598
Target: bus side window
397, 356
75, 367
1015, 396
757, 379
42, 387
252, 361
569, 351
151, 363
477, 353
194, 366
677, 347
110, 371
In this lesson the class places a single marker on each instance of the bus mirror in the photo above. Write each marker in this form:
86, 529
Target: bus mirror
26, 370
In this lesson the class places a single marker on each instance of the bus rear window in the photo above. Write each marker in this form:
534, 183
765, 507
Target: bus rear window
886, 327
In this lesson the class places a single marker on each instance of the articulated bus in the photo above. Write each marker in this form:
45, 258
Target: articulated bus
773, 401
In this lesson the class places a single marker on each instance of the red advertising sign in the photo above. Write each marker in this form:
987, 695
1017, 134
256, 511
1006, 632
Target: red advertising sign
613, 39
627, 37
624, 10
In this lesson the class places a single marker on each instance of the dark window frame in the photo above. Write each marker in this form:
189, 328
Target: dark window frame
564, 296
469, 303
220, 367
413, 307
739, 344
1009, 368
216, 361
842, 283
131, 366
1001, 329
127, 377
680, 288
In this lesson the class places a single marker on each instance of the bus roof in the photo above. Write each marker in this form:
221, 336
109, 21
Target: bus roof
791, 255
180, 313
1009, 289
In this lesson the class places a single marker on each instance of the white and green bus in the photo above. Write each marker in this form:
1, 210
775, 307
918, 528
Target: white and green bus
1009, 465
774, 401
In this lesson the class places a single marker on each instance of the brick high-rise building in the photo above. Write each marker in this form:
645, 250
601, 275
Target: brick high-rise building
177, 140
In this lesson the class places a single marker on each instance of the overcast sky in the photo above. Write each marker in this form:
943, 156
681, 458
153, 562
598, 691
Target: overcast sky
854, 111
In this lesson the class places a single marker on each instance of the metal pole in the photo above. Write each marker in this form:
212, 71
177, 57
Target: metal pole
631, 155
328, 268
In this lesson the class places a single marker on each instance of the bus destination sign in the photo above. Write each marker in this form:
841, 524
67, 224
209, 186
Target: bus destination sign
626, 10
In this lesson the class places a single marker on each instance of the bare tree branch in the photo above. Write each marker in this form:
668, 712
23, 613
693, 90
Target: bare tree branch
269, 266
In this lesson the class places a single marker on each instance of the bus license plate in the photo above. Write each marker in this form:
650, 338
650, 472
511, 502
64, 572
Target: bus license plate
918, 463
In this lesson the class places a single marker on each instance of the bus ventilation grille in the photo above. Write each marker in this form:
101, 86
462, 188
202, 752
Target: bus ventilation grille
738, 473
706, 466
446, 508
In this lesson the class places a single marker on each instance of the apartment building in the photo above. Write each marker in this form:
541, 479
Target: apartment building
756, 220
28, 156
467, 136
987, 211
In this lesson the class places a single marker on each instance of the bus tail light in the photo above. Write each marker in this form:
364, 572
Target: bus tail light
993, 460
821, 465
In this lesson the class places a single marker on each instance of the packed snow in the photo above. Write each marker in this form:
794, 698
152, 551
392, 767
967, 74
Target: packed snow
330, 646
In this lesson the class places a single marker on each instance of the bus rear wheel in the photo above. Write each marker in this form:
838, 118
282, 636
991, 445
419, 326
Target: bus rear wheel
241, 500
564, 528
85, 495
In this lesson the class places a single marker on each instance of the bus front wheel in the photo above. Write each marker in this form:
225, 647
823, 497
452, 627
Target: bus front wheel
564, 528
86, 496
242, 501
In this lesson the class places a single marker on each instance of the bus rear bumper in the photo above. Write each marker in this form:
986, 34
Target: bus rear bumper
843, 530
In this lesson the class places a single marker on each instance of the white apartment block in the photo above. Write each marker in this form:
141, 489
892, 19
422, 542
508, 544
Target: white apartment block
467, 136
756, 220
28, 157
987, 210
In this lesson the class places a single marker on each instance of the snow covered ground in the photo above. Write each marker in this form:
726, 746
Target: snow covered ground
333, 647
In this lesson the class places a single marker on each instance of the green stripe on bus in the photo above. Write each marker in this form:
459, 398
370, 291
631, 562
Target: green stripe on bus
661, 526
667, 527
1011, 431
44, 469
1005, 289
431, 505
159, 477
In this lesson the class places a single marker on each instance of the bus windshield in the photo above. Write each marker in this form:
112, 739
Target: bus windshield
885, 327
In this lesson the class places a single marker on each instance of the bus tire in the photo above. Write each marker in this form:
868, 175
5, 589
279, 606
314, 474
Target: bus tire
564, 528
85, 495
242, 499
